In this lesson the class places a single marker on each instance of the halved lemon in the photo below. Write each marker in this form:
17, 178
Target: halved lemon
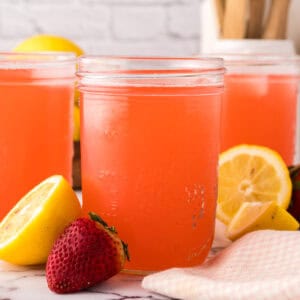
250, 173
260, 215
29, 230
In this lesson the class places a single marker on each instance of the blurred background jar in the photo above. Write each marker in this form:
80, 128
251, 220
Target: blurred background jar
255, 32
258, 31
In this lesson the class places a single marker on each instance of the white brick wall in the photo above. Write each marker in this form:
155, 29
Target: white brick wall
118, 27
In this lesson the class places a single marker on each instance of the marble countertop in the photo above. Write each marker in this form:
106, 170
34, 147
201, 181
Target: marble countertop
18, 283
22, 283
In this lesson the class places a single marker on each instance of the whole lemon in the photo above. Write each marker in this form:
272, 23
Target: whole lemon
45, 42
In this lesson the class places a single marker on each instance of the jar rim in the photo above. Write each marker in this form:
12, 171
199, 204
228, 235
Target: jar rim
38, 59
258, 59
132, 66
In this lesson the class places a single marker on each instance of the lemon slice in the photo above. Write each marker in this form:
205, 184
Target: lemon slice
260, 215
249, 173
29, 230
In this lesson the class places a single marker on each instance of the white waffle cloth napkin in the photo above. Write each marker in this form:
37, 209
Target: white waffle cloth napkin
262, 265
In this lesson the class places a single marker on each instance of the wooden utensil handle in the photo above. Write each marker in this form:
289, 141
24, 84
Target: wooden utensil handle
220, 9
235, 19
277, 20
255, 23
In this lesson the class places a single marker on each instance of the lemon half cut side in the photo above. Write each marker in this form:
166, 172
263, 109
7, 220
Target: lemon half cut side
29, 230
250, 173
258, 216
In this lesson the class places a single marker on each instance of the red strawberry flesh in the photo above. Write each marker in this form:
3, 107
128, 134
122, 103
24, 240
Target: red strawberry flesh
86, 253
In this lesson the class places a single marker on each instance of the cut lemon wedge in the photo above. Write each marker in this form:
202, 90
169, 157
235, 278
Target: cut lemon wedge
249, 173
260, 215
29, 230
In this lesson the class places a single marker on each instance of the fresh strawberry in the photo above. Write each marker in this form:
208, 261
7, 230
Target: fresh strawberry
88, 252
294, 208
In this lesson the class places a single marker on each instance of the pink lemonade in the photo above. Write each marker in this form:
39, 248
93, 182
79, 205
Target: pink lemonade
149, 167
36, 124
260, 110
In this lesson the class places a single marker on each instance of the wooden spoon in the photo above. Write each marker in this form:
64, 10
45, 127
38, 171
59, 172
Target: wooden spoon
277, 20
220, 9
235, 19
255, 23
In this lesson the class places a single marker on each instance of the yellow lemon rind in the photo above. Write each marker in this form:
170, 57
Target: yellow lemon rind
260, 216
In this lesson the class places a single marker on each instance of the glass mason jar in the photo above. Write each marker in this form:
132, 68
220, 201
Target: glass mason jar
260, 102
36, 121
150, 145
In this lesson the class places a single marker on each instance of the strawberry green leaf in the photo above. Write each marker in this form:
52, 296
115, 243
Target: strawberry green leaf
98, 219
125, 248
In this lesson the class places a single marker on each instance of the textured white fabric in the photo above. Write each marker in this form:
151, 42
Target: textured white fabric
262, 265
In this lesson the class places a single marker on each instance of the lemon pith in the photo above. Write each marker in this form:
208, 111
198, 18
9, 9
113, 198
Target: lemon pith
249, 173
29, 230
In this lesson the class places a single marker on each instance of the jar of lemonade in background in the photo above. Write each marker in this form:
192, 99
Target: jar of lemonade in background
46, 43
260, 102
150, 146
35, 120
